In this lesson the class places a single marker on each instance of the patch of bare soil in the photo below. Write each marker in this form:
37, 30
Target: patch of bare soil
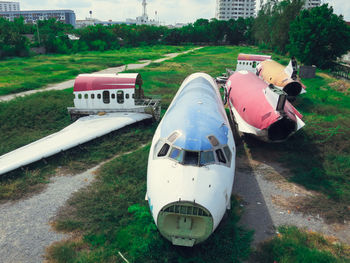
324, 75
317, 206
291, 204
299, 198
341, 86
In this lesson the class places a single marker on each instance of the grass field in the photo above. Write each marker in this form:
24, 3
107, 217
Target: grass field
318, 157
22, 74
294, 245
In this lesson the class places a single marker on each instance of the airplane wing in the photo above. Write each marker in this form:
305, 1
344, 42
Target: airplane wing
79, 132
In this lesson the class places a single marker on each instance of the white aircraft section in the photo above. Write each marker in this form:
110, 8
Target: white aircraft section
188, 200
81, 131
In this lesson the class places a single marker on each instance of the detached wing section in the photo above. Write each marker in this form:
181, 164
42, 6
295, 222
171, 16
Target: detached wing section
81, 131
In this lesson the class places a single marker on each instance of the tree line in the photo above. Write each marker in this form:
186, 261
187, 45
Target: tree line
315, 36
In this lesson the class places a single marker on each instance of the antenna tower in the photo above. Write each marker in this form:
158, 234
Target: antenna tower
144, 4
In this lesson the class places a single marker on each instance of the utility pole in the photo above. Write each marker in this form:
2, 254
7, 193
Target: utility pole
37, 30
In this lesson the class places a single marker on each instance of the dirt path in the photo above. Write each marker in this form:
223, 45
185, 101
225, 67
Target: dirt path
265, 194
25, 229
70, 83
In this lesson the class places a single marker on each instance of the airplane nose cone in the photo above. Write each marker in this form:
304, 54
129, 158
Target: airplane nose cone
185, 223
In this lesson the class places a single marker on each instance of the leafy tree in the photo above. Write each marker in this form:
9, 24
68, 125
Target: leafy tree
173, 36
52, 35
99, 38
261, 26
12, 41
217, 29
271, 27
283, 15
318, 36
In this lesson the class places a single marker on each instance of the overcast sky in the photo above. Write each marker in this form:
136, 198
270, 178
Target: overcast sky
169, 11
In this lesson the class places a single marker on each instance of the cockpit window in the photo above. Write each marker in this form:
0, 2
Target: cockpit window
164, 150
191, 158
177, 154
207, 157
220, 155
228, 153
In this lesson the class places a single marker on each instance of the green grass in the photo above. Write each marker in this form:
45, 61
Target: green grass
27, 119
112, 216
298, 246
22, 74
318, 157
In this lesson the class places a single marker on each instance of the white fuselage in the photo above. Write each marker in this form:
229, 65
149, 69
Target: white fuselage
174, 181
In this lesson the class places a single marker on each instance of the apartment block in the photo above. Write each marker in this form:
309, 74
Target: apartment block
233, 9
9, 6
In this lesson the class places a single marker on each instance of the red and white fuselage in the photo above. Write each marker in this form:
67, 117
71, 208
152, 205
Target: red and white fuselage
107, 91
261, 109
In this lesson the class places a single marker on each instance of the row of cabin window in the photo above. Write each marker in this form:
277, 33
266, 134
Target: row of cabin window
248, 63
194, 157
107, 96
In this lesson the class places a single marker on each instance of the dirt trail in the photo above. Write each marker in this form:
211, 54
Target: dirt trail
25, 229
264, 193
70, 83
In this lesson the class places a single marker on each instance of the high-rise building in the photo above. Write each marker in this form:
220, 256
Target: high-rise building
65, 16
9, 6
311, 3
234, 9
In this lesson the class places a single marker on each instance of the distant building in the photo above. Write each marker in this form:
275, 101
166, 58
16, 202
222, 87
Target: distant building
142, 20
311, 3
234, 9
64, 16
9, 6
86, 22
308, 3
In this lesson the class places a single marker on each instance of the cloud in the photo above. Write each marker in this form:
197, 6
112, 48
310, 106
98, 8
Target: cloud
341, 7
169, 11
119, 10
